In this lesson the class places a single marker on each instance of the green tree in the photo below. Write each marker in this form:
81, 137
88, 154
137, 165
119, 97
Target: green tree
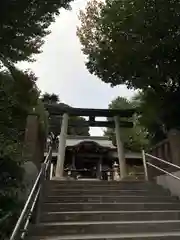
19, 96
23, 24
155, 114
134, 138
50, 98
80, 129
133, 42
55, 126
137, 43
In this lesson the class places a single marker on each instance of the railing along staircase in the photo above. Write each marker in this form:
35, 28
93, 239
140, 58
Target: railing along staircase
139, 210
33, 200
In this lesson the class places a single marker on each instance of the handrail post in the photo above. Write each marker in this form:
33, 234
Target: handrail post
145, 165
48, 176
51, 171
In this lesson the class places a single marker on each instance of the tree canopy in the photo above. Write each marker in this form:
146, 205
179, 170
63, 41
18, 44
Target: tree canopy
50, 98
18, 97
23, 24
134, 138
136, 43
132, 42
157, 114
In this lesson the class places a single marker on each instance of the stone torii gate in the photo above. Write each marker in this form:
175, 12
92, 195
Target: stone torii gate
116, 122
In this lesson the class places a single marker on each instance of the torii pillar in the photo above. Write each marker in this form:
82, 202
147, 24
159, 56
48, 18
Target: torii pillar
62, 146
120, 149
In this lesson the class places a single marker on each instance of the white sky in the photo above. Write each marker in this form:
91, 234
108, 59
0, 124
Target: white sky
61, 70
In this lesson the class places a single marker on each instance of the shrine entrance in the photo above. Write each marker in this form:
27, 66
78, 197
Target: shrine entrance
86, 168
86, 160
115, 119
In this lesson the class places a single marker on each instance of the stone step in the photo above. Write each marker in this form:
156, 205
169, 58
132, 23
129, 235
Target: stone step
97, 186
65, 192
57, 207
109, 216
78, 228
92, 210
108, 199
143, 236
97, 182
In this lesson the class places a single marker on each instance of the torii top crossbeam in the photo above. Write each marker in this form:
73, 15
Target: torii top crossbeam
55, 109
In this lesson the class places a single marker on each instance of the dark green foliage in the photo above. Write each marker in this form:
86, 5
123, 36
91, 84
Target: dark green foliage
78, 129
159, 113
135, 42
50, 98
18, 95
18, 98
55, 126
134, 138
11, 175
23, 24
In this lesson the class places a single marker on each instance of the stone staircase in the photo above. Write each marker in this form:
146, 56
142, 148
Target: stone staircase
102, 210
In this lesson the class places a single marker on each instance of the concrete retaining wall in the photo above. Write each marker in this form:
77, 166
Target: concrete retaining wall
30, 174
170, 183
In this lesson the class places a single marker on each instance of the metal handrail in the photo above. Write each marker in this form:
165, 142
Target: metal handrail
30, 214
162, 170
31, 198
145, 163
161, 160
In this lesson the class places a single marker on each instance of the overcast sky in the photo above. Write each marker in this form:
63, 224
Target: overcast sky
61, 70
